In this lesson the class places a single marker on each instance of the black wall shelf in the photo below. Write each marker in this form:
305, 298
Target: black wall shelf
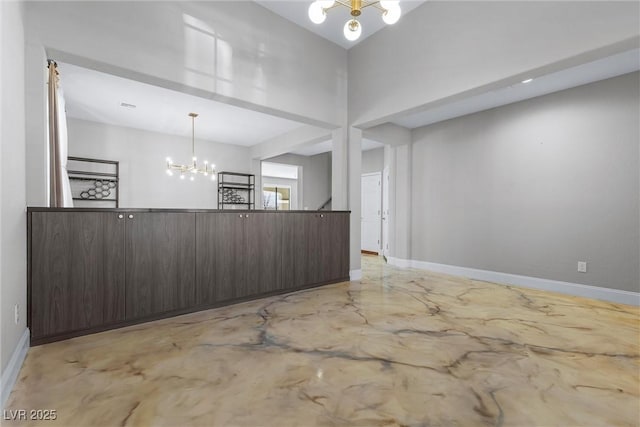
94, 180
236, 189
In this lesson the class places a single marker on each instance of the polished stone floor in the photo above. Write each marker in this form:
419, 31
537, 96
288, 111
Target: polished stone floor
400, 347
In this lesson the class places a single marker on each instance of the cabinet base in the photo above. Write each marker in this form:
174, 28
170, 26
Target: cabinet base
102, 328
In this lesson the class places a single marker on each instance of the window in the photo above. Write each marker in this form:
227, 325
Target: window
276, 197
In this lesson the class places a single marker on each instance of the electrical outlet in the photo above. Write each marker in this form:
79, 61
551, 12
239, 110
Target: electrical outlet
582, 266
16, 313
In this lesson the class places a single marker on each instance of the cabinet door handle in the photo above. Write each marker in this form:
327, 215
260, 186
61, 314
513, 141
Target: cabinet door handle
240, 215
120, 216
130, 216
321, 215
246, 216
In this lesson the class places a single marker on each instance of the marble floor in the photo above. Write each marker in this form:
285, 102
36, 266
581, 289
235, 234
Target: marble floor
401, 347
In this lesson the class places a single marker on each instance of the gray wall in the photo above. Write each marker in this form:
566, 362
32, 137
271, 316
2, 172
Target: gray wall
142, 154
373, 160
534, 187
13, 275
316, 177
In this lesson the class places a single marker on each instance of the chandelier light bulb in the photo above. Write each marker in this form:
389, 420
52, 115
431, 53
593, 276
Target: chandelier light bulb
392, 13
317, 14
190, 169
352, 30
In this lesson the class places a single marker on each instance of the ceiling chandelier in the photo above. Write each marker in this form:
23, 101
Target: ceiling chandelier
390, 10
192, 168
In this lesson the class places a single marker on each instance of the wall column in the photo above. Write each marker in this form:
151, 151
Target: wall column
339, 169
256, 169
398, 160
355, 184
403, 194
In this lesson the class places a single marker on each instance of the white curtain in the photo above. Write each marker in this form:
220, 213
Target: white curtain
59, 188
67, 198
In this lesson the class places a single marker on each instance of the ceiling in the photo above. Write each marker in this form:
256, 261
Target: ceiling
325, 146
601, 69
95, 96
331, 29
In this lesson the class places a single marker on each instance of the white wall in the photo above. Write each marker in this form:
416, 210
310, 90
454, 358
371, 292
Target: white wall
36, 132
443, 48
373, 160
316, 178
534, 187
142, 154
13, 232
235, 51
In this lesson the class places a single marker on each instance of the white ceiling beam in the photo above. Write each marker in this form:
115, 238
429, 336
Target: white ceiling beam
298, 138
389, 134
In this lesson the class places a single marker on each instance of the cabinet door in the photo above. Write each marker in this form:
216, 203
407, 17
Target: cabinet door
221, 257
77, 271
312, 249
295, 255
263, 252
160, 266
334, 246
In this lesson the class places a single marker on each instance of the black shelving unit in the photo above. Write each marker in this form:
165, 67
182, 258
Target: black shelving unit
94, 181
236, 190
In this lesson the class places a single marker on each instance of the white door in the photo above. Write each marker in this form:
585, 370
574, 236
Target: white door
385, 211
371, 212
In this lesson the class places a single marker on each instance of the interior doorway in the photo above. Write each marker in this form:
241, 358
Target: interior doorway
276, 197
281, 186
371, 213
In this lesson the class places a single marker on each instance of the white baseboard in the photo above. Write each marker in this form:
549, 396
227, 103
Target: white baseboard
10, 373
355, 275
399, 262
576, 289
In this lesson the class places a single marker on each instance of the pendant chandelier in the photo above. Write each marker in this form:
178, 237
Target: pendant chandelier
192, 168
390, 10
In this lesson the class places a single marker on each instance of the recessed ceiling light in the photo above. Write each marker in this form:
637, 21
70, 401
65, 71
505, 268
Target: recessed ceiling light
527, 81
127, 105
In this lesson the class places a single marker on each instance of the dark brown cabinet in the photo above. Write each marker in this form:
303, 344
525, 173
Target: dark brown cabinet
239, 255
160, 265
334, 246
77, 271
264, 252
315, 248
295, 250
97, 269
221, 263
